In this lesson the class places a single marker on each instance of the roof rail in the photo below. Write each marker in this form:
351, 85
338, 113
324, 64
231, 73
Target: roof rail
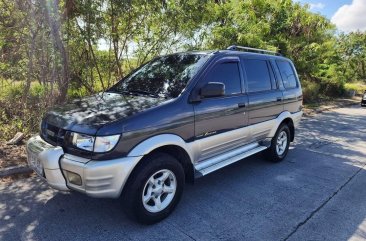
248, 49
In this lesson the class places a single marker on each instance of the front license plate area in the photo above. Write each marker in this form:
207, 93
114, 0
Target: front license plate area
35, 163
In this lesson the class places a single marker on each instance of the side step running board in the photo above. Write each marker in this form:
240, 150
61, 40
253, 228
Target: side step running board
205, 167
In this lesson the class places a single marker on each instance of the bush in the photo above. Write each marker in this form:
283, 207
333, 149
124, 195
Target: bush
15, 91
12, 91
37, 91
332, 88
17, 116
311, 91
356, 86
77, 92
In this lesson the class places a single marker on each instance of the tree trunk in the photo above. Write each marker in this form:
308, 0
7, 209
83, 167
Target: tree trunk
32, 37
55, 26
115, 39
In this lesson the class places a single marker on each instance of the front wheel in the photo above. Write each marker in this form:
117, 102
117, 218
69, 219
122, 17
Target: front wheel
279, 145
154, 189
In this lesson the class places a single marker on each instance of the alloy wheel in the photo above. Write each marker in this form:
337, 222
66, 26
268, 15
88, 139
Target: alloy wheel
159, 191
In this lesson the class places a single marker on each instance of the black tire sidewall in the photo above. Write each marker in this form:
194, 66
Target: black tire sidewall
271, 153
133, 196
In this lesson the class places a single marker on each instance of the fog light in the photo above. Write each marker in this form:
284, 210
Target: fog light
73, 178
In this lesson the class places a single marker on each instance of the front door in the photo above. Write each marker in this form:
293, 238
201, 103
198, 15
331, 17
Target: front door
218, 118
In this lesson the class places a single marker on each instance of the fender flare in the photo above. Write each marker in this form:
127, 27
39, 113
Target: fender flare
157, 141
284, 115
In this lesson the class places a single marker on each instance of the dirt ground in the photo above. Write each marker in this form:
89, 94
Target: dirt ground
12, 155
15, 177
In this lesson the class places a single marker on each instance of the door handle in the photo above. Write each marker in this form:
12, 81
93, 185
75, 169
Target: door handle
241, 105
279, 99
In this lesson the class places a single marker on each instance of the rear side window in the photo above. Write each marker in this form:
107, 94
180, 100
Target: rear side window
257, 75
227, 73
287, 74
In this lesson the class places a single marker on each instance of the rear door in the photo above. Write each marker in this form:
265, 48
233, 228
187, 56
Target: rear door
215, 117
265, 97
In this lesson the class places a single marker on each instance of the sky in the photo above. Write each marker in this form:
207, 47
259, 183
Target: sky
347, 15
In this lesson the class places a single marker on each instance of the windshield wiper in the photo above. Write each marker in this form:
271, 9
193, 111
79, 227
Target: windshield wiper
136, 92
142, 92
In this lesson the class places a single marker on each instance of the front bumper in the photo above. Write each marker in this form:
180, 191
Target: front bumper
98, 178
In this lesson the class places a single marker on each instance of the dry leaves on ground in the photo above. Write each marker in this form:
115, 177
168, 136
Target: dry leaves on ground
12, 155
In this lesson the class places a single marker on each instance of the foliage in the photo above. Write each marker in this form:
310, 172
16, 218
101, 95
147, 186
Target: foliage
332, 88
311, 91
359, 87
14, 117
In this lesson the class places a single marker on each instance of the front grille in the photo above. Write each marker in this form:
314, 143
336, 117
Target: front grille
52, 134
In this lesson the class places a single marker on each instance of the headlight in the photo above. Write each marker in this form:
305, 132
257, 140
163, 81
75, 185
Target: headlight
105, 143
82, 141
96, 144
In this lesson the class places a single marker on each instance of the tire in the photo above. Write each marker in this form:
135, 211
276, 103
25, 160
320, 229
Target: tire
274, 153
159, 177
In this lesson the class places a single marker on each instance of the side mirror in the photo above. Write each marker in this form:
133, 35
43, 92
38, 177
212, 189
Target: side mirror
213, 89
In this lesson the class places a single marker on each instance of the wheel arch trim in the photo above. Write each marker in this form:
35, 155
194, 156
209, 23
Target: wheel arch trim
157, 141
294, 117
284, 115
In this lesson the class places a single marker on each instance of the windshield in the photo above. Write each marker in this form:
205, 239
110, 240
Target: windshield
164, 76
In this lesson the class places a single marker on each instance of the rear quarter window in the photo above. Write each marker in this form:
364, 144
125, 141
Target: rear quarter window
287, 74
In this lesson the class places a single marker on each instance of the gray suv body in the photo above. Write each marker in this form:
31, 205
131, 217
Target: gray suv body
176, 118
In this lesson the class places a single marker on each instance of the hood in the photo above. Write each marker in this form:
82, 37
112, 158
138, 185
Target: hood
86, 115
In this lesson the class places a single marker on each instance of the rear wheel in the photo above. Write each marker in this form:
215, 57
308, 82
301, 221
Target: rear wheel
279, 145
154, 189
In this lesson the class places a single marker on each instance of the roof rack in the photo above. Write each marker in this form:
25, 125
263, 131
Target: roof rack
248, 49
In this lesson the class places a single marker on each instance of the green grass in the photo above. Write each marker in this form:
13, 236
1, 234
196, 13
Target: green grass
14, 89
